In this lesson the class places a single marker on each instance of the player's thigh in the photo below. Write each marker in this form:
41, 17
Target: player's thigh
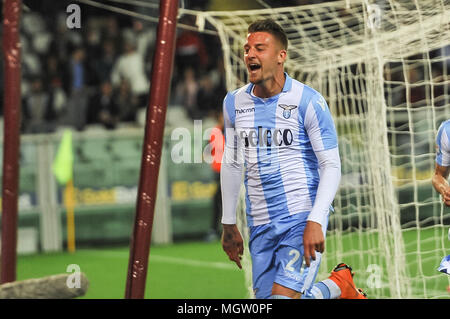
292, 272
289, 255
262, 250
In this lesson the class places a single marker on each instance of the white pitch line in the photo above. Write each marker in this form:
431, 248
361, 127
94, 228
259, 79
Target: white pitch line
192, 262
173, 260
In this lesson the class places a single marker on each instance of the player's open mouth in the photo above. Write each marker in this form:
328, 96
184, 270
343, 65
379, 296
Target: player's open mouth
254, 66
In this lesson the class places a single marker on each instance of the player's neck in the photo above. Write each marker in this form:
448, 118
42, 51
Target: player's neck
270, 87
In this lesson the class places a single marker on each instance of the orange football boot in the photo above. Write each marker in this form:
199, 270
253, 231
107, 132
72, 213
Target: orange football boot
342, 275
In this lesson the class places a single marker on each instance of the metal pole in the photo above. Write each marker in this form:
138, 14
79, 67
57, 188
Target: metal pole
11, 137
151, 155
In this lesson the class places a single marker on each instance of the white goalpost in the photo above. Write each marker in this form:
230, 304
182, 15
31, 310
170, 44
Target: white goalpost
383, 67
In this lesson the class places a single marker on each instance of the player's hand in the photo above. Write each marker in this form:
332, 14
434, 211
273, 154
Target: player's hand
313, 240
232, 243
446, 196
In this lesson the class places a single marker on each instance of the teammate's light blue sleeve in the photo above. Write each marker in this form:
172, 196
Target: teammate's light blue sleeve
443, 144
323, 137
232, 164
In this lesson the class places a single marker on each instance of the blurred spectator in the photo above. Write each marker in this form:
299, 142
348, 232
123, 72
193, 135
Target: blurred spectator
93, 49
56, 72
32, 23
35, 30
100, 73
31, 63
78, 98
145, 40
64, 40
130, 66
106, 61
190, 48
212, 90
102, 107
111, 31
206, 95
36, 109
77, 70
93, 40
58, 103
186, 93
127, 102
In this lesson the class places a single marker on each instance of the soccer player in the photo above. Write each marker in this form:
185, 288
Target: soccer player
280, 133
442, 168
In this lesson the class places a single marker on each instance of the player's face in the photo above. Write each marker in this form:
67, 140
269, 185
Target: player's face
263, 56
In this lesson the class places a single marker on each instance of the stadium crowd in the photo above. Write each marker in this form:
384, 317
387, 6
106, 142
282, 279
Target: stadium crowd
99, 74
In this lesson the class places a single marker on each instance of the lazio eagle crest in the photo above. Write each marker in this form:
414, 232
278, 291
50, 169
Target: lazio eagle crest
287, 109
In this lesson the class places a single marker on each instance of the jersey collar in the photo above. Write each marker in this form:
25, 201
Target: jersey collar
287, 84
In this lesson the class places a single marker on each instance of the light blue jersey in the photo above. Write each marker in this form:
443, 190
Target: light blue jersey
443, 144
279, 137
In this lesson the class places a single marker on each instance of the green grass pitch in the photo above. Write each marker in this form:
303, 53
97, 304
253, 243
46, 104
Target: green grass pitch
179, 271
199, 270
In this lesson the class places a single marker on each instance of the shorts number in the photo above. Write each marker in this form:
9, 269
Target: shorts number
296, 254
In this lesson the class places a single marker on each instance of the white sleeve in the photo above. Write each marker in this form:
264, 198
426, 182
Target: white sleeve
230, 181
230, 170
330, 176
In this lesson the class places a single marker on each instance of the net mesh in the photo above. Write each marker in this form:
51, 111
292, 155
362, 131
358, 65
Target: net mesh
383, 68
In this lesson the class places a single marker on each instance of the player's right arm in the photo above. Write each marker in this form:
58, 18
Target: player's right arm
230, 181
323, 136
442, 168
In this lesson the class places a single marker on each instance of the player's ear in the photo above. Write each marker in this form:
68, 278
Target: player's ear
282, 55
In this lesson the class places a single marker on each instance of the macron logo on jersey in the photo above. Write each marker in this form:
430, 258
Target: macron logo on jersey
244, 111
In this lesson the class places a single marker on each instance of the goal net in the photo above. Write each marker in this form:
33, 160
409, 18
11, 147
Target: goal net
383, 67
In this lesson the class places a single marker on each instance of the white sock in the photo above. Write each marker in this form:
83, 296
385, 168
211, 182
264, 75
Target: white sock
335, 291
326, 289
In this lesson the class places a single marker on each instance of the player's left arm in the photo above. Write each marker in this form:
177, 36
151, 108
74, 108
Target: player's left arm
440, 182
322, 134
